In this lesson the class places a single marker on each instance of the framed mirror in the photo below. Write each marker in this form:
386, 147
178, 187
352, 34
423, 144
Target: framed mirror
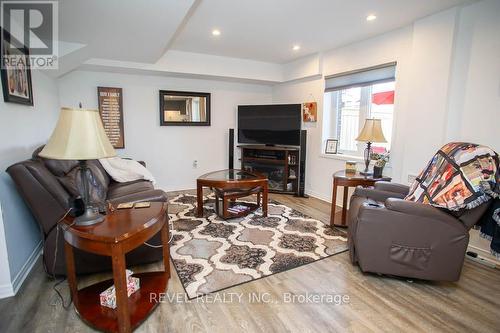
182, 108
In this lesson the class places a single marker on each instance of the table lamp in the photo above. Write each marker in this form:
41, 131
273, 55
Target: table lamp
79, 135
371, 132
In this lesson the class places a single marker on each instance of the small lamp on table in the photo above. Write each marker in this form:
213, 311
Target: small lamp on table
79, 135
371, 132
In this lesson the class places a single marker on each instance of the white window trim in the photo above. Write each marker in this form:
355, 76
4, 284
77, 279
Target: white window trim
342, 157
364, 113
365, 110
358, 159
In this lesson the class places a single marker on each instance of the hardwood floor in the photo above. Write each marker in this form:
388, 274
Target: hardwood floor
376, 304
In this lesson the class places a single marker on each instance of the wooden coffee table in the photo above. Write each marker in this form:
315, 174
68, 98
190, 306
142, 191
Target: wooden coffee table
231, 184
121, 232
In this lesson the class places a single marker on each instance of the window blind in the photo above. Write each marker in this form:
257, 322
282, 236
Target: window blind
361, 77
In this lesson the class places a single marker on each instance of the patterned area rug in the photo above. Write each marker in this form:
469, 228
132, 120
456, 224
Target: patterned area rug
211, 254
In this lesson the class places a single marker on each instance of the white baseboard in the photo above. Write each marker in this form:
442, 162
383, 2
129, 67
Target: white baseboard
6, 290
484, 255
27, 267
11, 289
318, 195
179, 188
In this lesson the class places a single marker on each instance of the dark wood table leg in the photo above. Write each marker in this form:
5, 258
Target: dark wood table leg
344, 206
264, 199
120, 280
70, 271
217, 210
334, 203
199, 198
166, 248
225, 205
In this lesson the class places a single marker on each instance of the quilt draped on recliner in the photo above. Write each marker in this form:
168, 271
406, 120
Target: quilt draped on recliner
463, 176
459, 176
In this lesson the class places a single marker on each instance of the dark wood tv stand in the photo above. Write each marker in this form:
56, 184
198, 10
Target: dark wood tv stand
279, 164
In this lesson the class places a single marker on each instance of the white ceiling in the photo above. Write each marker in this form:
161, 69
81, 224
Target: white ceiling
266, 30
128, 30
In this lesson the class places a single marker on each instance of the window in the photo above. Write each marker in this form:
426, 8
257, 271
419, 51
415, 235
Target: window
350, 99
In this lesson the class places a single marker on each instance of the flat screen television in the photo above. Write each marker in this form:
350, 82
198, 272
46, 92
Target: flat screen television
274, 124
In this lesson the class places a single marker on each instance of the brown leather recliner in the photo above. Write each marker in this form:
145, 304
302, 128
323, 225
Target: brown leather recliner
45, 186
388, 235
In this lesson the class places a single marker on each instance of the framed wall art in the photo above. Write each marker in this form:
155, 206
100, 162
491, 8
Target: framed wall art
181, 108
15, 72
331, 146
310, 112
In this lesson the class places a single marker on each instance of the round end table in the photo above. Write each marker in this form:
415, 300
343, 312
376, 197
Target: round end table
349, 179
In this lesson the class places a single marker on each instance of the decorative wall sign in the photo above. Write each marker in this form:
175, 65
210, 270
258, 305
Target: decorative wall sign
111, 111
16, 72
310, 112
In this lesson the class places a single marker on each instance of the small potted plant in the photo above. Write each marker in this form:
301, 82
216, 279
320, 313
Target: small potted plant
380, 160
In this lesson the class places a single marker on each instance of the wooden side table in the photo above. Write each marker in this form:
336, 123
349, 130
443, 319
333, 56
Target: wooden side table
121, 232
349, 179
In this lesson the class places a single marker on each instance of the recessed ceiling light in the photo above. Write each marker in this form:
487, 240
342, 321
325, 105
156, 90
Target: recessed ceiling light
216, 32
296, 47
371, 17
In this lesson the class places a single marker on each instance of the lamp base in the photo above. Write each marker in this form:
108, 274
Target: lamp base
367, 155
90, 217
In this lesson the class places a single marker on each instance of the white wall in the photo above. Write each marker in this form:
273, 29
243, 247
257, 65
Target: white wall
477, 75
169, 151
389, 47
423, 108
5, 282
447, 88
474, 98
22, 129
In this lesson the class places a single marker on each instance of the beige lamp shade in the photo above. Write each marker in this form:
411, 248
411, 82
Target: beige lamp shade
372, 131
79, 135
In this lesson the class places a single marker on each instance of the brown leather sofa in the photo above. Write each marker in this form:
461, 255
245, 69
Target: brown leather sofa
388, 235
47, 187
